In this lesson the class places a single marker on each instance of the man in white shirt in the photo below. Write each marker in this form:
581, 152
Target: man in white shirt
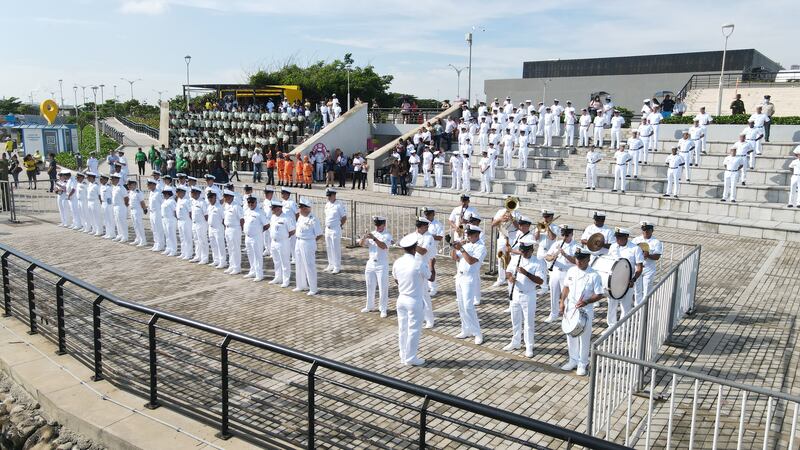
154, 200
760, 120
550, 119
696, 135
455, 171
731, 165
617, 121
599, 124
119, 200
623, 248
753, 135
703, 120
645, 132
621, 160
94, 210
674, 163
485, 167
335, 218
685, 150
233, 219
559, 259
507, 222
540, 128
281, 228
137, 209
508, 149
308, 232
216, 230
522, 151
199, 209
413, 163
170, 221
438, 168
599, 226
427, 167
794, 184
376, 272
469, 255
466, 172
608, 110
593, 156
410, 275
255, 222
645, 284
743, 151
524, 275
635, 149
569, 125
583, 133
483, 134
654, 119
436, 229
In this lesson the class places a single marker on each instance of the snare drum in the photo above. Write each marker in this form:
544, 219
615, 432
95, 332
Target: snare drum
616, 274
574, 321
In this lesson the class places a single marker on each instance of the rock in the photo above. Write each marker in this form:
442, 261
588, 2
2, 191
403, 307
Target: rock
65, 446
40, 438
17, 409
84, 444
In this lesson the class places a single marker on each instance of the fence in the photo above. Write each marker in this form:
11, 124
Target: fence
267, 393
739, 79
112, 132
396, 115
139, 127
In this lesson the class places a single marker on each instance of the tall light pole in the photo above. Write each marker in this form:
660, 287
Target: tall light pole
31, 96
61, 91
131, 83
458, 83
727, 31
80, 129
188, 59
116, 98
469, 73
159, 96
544, 91
96, 124
348, 67
102, 100
84, 94
75, 91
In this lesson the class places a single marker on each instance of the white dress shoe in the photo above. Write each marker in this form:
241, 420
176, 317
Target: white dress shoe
511, 347
570, 365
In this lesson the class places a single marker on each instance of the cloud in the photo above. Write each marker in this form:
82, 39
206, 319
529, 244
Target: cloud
148, 7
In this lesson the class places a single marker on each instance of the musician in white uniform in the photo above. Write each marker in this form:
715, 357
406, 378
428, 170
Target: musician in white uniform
560, 258
743, 151
655, 248
169, 221
93, 204
436, 229
507, 223
696, 135
583, 130
106, 188
599, 226
582, 288
266, 206
281, 228
624, 248
635, 150
137, 208
794, 185
81, 190
674, 163
470, 255
335, 218
199, 225
546, 240
255, 222
308, 232
376, 272
593, 156
753, 135
703, 120
456, 217
524, 275
119, 200
290, 209
413, 163
426, 250
621, 160
599, 124
455, 171
410, 275
731, 165
216, 230
484, 165
234, 221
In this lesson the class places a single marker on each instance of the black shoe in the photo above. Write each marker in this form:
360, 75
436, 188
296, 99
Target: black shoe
613, 190
688, 180
676, 196
666, 195
789, 206
593, 189
722, 200
635, 176
627, 176
587, 187
743, 183
733, 201
623, 192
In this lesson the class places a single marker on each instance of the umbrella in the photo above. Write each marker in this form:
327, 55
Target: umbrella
599, 93
663, 93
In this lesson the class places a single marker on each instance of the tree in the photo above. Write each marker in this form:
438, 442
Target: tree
10, 105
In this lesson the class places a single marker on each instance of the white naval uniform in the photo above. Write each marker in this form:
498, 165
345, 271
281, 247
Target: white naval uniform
216, 234
523, 300
616, 131
754, 136
427, 165
438, 170
503, 241
334, 212
436, 229
73, 204
645, 131
621, 159
508, 150
635, 149
200, 229
183, 211
170, 222
280, 227
376, 272
426, 241
61, 201
413, 163
466, 276
118, 195
254, 222
606, 231
522, 152
633, 253
569, 127
674, 164
95, 211
486, 177
654, 119
685, 149
305, 253
466, 171
592, 158
154, 201
704, 120
743, 151
290, 208
455, 172
599, 123
135, 199
550, 126
695, 134
583, 131
731, 165
107, 210
560, 267
410, 275
645, 283
794, 185
233, 214
83, 206
582, 285
266, 206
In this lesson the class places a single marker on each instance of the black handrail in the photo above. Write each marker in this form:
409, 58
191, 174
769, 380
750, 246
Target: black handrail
139, 127
570, 436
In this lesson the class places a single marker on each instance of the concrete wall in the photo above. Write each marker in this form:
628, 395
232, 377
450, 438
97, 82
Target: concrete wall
392, 129
349, 133
163, 124
626, 90
730, 133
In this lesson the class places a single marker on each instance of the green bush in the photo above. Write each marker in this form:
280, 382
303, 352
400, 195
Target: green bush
738, 119
87, 145
153, 121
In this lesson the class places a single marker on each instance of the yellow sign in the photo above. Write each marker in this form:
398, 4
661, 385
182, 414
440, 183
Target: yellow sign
49, 109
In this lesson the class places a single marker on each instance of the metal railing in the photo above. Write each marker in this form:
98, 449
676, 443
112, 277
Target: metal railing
398, 116
139, 127
264, 392
112, 132
638, 335
740, 79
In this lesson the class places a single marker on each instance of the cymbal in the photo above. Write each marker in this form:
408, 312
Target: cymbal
595, 242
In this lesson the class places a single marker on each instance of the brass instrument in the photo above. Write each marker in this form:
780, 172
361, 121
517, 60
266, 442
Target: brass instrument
596, 242
542, 225
511, 203
504, 256
644, 246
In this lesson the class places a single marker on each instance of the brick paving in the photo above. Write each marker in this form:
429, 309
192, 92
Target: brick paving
744, 328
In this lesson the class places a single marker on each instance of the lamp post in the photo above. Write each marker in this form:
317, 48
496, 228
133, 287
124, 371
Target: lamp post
544, 91
80, 130
348, 67
159, 96
61, 90
458, 83
102, 100
75, 91
469, 73
83, 88
116, 98
31, 96
188, 59
727, 31
131, 83
96, 123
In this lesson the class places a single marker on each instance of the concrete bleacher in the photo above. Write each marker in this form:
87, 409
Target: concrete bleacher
556, 179
785, 96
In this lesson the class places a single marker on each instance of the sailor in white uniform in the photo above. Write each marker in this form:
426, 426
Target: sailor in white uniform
560, 258
410, 275
154, 201
183, 209
308, 231
255, 222
524, 274
234, 221
731, 165
170, 221
621, 160
335, 218
635, 149
794, 185
426, 249
94, 207
376, 272
119, 200
583, 130
624, 248
743, 150
72, 200
583, 287
674, 163
199, 209
617, 121
599, 226
81, 191
645, 284
216, 230
138, 209
469, 254
438, 168
436, 229
593, 157
266, 206
290, 209
281, 228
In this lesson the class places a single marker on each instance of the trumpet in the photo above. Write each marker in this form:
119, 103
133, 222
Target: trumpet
542, 225
511, 203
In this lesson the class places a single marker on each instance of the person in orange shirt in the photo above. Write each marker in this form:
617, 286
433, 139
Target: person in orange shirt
308, 172
281, 169
271, 163
288, 170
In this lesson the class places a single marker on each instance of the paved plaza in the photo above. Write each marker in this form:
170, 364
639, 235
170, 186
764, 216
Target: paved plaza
744, 327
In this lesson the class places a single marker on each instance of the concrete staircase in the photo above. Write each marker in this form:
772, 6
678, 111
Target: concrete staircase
785, 96
556, 179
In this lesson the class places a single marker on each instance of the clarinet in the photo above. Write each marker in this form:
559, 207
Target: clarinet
514, 284
553, 264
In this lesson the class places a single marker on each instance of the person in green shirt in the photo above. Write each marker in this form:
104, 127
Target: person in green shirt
151, 156
140, 159
181, 164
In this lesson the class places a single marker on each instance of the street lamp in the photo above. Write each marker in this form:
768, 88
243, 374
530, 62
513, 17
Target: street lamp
80, 129
32, 95
544, 91
101, 93
727, 31
458, 74
96, 124
75, 91
159, 96
116, 98
131, 83
468, 38
61, 91
188, 59
348, 67
84, 94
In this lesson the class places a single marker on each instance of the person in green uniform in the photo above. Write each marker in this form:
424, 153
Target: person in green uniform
152, 155
140, 159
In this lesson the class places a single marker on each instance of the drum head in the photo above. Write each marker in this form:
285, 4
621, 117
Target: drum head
573, 322
619, 278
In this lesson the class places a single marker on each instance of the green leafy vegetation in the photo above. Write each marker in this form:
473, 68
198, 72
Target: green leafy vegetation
87, 145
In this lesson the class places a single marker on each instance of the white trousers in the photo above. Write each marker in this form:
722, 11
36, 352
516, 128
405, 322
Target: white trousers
414, 173
540, 128
409, 327
157, 228
265, 241
523, 317
281, 261
170, 235
483, 139
121, 222
632, 167
687, 158
673, 181
216, 239
137, 217
643, 286
108, 220
703, 139
583, 136
569, 135
455, 180
74, 210
508, 155
591, 175
86, 218
305, 257
523, 157
426, 177
465, 297
696, 151
200, 232
743, 177
616, 135
794, 190
185, 236
233, 240
548, 136
486, 182
598, 136
96, 217
556, 283
438, 171
377, 275
626, 302
654, 138
752, 156
619, 176
557, 127
255, 255
63, 210
465, 182
333, 244
579, 346
729, 191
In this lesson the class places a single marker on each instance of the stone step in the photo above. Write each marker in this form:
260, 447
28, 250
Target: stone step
478, 198
748, 193
715, 161
740, 209
502, 187
721, 148
755, 177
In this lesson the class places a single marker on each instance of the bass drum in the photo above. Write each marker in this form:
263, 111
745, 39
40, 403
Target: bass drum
616, 274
